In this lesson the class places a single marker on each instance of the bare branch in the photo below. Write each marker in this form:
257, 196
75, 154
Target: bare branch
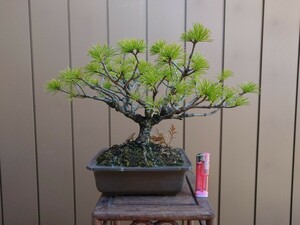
134, 72
214, 106
186, 115
189, 61
177, 67
102, 90
155, 91
106, 100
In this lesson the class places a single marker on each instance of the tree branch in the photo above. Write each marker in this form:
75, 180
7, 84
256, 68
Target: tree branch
155, 91
177, 67
124, 88
186, 115
134, 72
113, 104
103, 91
106, 100
189, 61
78, 86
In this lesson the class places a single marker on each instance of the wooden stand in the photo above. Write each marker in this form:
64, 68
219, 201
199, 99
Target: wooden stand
155, 210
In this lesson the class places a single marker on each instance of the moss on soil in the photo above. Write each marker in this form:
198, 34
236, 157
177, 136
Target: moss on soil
132, 154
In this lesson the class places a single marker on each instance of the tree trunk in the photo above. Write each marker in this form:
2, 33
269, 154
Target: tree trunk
144, 134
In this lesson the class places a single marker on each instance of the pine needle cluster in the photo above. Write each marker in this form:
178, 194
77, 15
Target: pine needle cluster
165, 89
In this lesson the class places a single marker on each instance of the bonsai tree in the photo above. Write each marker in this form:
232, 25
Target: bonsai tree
150, 92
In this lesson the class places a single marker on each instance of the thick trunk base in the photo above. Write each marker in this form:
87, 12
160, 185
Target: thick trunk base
144, 134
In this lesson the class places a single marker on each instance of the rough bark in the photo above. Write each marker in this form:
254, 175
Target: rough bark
144, 132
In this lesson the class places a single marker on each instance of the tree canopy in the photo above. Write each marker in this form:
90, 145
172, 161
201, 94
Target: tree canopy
167, 88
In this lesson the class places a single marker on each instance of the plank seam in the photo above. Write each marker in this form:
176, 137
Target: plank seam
221, 118
147, 30
295, 134
258, 113
72, 115
1, 195
34, 114
184, 45
108, 43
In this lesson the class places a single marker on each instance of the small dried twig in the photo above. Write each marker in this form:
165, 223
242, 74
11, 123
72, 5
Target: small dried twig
160, 138
172, 131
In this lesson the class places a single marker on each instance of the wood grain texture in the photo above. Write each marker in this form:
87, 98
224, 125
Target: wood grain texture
279, 72
88, 26
17, 143
242, 55
168, 25
183, 206
202, 134
53, 114
127, 19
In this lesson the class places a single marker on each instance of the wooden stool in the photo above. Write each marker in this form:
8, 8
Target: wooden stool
155, 210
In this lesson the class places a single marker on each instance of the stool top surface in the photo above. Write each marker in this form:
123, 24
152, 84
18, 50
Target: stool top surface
183, 206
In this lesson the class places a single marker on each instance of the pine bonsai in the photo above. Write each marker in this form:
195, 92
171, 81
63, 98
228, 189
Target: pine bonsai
149, 92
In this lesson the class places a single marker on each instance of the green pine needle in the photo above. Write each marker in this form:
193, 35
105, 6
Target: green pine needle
150, 78
241, 101
93, 81
249, 87
157, 46
92, 68
116, 74
107, 85
135, 96
133, 46
69, 76
224, 75
198, 33
99, 53
199, 63
170, 52
53, 85
211, 90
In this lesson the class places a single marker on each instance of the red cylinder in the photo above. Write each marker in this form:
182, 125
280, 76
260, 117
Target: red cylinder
202, 172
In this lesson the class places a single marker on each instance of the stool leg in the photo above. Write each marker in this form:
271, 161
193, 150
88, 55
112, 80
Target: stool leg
210, 222
145, 222
97, 222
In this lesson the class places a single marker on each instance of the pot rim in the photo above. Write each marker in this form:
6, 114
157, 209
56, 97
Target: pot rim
185, 167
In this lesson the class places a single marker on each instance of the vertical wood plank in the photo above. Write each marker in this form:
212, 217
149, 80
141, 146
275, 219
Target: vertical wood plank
17, 141
127, 19
279, 72
53, 113
295, 219
242, 55
203, 134
166, 24
1, 202
1, 218
296, 193
88, 26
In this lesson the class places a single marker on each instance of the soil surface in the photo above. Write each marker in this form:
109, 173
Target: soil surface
132, 154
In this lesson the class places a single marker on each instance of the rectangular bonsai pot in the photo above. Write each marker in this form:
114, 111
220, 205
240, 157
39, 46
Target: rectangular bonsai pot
118, 180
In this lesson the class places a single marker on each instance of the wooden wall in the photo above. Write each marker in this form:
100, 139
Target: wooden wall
46, 141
